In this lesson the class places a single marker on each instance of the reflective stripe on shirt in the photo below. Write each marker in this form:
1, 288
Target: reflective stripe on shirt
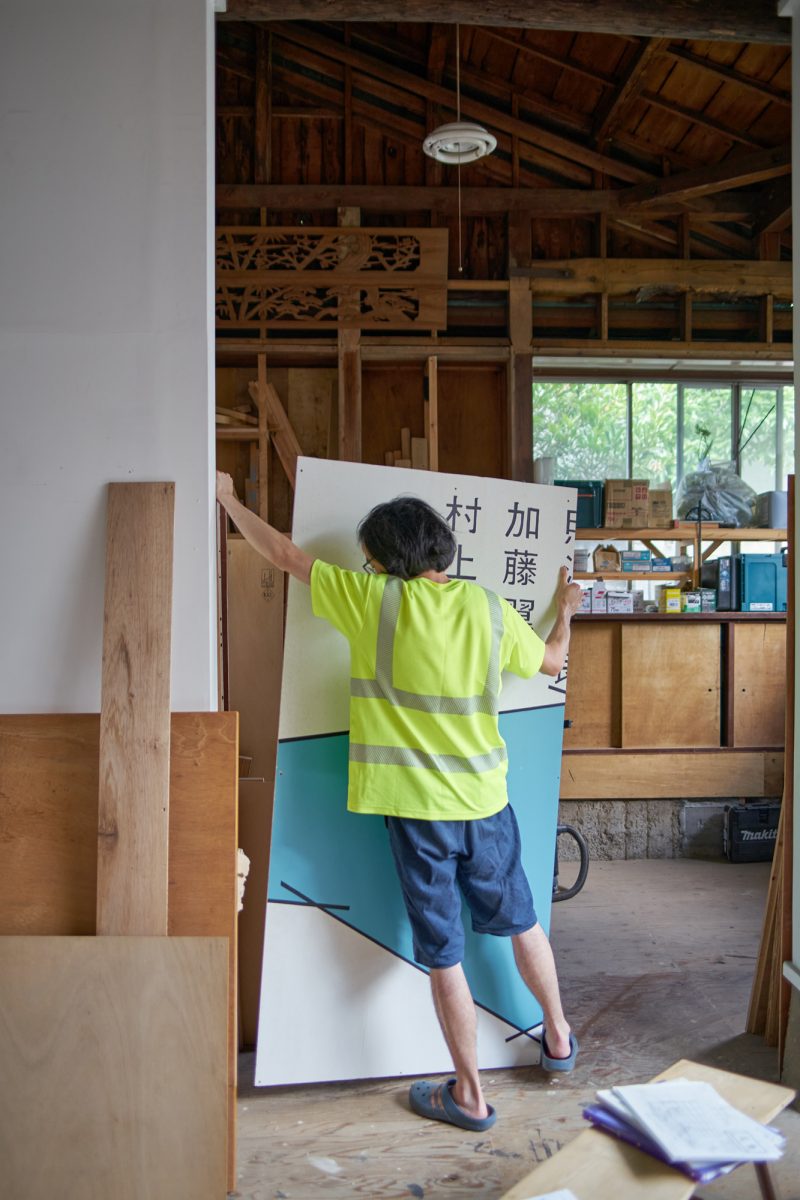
382, 686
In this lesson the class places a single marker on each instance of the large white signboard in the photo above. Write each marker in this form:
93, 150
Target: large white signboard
341, 996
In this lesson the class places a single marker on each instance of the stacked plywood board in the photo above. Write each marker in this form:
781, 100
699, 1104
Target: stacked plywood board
115, 1063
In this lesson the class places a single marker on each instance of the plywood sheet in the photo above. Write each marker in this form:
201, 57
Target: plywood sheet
392, 399
113, 1067
593, 695
634, 775
670, 685
48, 852
133, 815
472, 420
759, 684
255, 646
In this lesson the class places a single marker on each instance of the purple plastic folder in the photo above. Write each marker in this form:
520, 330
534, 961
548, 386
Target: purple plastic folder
601, 1118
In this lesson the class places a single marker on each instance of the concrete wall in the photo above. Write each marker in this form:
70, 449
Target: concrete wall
105, 326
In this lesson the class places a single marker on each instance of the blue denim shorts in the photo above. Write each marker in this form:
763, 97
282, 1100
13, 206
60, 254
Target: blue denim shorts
439, 861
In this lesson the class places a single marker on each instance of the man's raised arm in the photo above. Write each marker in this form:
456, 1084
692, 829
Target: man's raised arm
274, 546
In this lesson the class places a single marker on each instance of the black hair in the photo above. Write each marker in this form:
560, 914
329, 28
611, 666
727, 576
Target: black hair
407, 537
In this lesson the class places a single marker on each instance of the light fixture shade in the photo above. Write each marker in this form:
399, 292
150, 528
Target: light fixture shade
461, 142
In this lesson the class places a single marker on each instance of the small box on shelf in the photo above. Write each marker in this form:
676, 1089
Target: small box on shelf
626, 503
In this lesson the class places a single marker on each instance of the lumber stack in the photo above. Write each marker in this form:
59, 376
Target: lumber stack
117, 1073
768, 1013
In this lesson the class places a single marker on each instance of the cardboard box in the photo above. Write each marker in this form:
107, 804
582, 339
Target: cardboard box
585, 605
635, 555
708, 600
669, 599
620, 602
606, 558
630, 567
626, 503
638, 600
661, 565
659, 508
691, 602
599, 598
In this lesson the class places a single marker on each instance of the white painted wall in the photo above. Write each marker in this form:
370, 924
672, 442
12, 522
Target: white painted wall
106, 268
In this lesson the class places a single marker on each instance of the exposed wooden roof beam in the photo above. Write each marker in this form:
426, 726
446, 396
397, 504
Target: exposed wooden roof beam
699, 118
440, 38
621, 276
545, 202
708, 20
557, 60
628, 86
776, 214
765, 90
735, 171
494, 119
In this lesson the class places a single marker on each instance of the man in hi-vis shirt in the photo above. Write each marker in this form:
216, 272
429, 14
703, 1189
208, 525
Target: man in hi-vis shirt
427, 655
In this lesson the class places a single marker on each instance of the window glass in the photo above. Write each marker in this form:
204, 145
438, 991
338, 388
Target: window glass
655, 432
757, 437
583, 426
787, 463
706, 425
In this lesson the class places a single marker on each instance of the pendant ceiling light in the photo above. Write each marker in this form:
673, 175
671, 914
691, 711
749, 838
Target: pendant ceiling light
459, 142
462, 141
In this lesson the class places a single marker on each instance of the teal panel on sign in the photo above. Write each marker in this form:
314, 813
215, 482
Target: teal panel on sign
341, 861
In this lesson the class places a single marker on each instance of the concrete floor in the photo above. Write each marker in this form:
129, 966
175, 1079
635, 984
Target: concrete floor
656, 959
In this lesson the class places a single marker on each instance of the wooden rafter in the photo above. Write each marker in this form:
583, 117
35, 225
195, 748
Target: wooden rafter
610, 112
565, 63
553, 202
700, 118
775, 214
738, 171
720, 20
498, 121
765, 90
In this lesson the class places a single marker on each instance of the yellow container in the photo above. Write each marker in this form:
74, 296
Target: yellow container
669, 599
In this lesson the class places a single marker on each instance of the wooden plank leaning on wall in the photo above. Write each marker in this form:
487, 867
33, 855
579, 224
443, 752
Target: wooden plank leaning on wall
133, 818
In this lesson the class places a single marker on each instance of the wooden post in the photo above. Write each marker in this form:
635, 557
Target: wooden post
133, 809
519, 439
349, 361
432, 411
263, 440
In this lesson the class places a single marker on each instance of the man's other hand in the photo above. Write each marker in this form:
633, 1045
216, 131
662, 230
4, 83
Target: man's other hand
225, 488
568, 595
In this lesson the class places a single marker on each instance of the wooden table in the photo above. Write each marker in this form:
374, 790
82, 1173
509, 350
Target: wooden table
597, 1166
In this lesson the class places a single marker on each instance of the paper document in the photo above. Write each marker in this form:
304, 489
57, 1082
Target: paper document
692, 1123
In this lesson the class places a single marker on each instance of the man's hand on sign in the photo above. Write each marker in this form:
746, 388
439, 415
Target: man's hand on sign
568, 595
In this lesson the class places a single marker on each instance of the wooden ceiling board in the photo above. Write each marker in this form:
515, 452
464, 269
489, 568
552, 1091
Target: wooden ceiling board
577, 92
770, 125
760, 62
603, 50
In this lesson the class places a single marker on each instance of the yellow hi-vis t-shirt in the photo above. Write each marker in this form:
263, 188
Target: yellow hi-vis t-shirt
425, 662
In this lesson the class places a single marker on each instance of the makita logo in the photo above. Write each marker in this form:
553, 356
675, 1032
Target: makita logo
763, 835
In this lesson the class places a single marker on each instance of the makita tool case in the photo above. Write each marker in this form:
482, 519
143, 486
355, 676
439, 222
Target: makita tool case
750, 831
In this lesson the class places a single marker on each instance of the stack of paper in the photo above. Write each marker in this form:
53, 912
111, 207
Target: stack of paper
686, 1124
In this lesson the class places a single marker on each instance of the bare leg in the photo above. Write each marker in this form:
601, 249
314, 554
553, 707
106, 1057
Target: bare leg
535, 963
455, 1009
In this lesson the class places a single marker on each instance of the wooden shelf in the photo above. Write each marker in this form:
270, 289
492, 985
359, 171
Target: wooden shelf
687, 534
661, 576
